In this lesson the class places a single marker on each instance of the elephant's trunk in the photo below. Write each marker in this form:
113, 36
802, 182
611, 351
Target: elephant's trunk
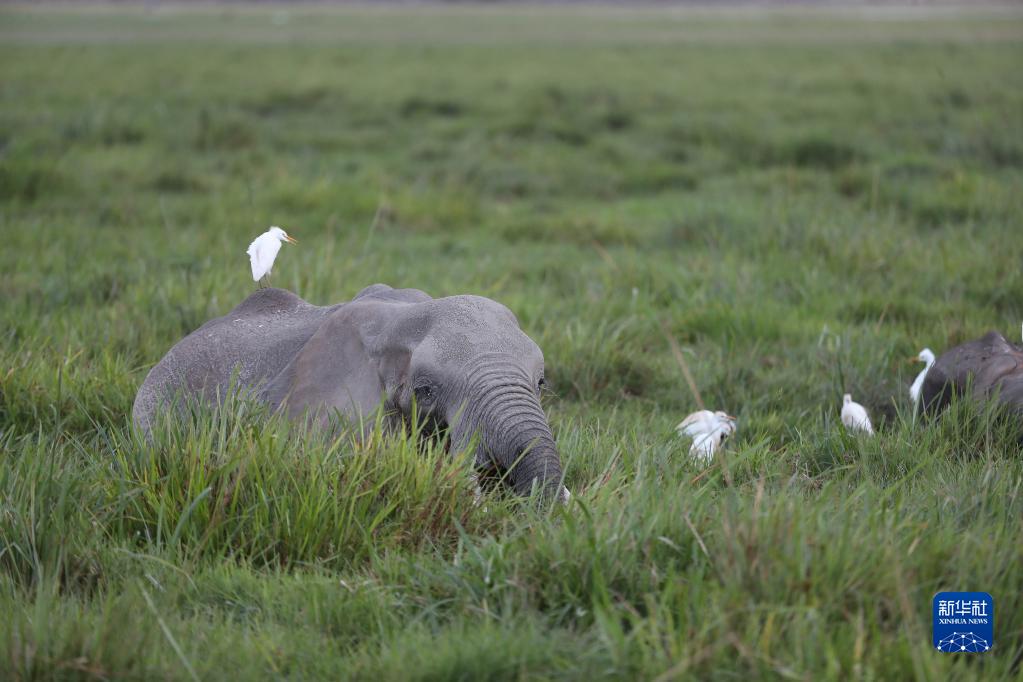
514, 437
529, 455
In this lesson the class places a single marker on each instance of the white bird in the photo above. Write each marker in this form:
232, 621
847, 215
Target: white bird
263, 250
708, 430
855, 416
926, 357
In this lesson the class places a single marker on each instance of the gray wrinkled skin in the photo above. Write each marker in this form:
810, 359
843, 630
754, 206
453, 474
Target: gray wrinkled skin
464, 358
989, 365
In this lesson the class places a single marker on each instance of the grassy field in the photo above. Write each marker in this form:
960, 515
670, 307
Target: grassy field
803, 200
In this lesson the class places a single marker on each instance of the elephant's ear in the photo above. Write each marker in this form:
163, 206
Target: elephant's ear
334, 370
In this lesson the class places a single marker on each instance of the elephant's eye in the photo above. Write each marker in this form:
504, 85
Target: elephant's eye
424, 393
541, 384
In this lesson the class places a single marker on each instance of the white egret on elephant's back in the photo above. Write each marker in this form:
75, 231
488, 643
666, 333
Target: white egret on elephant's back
263, 251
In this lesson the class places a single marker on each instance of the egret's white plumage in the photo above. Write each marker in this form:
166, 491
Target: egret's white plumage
855, 416
263, 250
708, 430
926, 357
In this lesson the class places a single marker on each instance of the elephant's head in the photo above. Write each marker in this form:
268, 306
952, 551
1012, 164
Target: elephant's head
460, 363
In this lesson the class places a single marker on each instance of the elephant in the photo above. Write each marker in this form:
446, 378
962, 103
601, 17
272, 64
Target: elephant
462, 360
988, 365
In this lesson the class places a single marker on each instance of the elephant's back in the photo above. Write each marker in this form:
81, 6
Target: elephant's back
988, 365
249, 345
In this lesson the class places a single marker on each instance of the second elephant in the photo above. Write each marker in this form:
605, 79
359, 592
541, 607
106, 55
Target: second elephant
987, 366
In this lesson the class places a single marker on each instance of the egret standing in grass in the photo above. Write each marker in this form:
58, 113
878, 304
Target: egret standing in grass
855, 416
926, 357
708, 431
263, 250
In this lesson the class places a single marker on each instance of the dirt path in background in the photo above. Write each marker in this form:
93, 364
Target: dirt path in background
553, 25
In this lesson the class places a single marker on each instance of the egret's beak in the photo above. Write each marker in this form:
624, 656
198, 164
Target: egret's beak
915, 358
290, 239
730, 417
